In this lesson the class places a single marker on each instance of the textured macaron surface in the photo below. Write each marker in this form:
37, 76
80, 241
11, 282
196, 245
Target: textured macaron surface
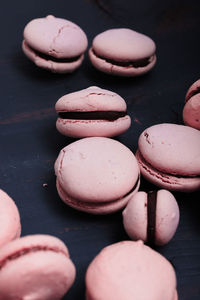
91, 99
55, 37
96, 169
130, 270
41, 266
10, 226
171, 148
123, 44
92, 112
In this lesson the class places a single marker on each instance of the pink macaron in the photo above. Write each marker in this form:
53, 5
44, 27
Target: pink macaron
92, 112
54, 44
123, 52
96, 175
191, 110
130, 270
169, 156
152, 217
10, 226
35, 267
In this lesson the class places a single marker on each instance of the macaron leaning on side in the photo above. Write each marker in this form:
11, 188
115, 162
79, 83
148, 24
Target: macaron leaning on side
35, 267
191, 110
123, 52
54, 44
152, 217
96, 175
169, 156
10, 225
92, 112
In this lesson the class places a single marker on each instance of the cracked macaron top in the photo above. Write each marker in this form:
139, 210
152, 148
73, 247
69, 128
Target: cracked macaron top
169, 156
54, 40
123, 51
191, 110
92, 112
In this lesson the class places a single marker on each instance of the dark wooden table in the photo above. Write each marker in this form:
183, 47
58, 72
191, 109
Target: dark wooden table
30, 142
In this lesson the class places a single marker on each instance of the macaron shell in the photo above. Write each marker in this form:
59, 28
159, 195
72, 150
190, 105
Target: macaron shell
109, 68
41, 265
55, 67
32, 241
191, 112
130, 270
89, 128
167, 217
55, 36
91, 99
123, 44
95, 208
112, 170
172, 149
167, 181
194, 89
10, 226
135, 217
39, 275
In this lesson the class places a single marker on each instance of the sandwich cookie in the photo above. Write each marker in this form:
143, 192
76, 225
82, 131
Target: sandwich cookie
191, 110
10, 226
169, 156
35, 267
130, 270
54, 44
152, 217
92, 112
123, 52
97, 175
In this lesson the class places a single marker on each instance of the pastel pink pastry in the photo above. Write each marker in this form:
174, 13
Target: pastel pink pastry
10, 226
152, 217
169, 156
130, 270
96, 175
54, 44
123, 52
35, 267
92, 112
191, 110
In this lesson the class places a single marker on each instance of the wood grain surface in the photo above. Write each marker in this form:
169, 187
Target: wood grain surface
30, 142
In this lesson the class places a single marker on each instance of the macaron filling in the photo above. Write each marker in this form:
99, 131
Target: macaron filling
22, 252
93, 115
52, 58
151, 216
139, 63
